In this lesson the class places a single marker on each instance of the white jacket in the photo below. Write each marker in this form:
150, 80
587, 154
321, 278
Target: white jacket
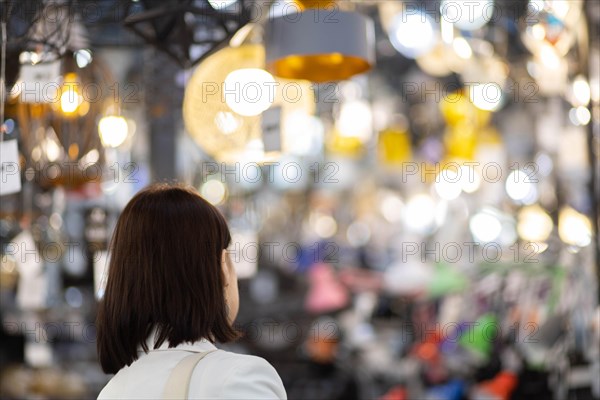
220, 375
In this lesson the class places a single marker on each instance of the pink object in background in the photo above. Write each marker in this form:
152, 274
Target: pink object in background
326, 293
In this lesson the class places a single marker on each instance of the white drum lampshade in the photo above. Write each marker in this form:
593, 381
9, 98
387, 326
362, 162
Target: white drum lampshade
300, 46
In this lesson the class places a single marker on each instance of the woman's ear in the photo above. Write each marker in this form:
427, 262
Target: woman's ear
232, 296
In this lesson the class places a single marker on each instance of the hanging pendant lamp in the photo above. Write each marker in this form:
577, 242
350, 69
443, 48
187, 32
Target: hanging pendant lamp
229, 134
320, 45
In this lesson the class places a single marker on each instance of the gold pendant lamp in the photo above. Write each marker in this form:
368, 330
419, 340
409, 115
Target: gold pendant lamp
320, 43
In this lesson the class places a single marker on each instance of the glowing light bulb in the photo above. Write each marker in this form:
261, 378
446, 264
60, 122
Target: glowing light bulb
213, 191
91, 157
412, 34
36, 153
581, 91
249, 91
113, 130
446, 31
303, 133
467, 15
462, 48
52, 149
70, 100
420, 213
83, 58
534, 224
447, 184
550, 59
520, 187
560, 8
580, 116
538, 31
486, 96
323, 224
391, 207
574, 228
355, 120
254, 151
469, 179
485, 226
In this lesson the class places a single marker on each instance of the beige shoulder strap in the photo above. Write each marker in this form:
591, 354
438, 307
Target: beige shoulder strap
178, 383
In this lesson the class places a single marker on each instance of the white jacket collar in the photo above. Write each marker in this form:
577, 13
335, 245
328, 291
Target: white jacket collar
199, 346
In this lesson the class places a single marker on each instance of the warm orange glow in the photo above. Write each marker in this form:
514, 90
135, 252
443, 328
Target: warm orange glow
319, 67
71, 102
73, 151
304, 4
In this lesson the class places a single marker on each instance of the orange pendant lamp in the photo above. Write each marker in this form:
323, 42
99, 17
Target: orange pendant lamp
320, 43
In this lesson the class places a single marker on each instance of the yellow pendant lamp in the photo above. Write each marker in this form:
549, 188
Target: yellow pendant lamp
394, 146
318, 44
457, 109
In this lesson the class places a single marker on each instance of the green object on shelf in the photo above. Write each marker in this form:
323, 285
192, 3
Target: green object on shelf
480, 336
446, 280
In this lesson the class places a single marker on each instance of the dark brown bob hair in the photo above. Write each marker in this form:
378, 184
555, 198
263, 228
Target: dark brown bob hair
164, 273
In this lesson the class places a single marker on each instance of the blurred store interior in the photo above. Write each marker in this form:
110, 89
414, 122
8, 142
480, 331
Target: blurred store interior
412, 186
